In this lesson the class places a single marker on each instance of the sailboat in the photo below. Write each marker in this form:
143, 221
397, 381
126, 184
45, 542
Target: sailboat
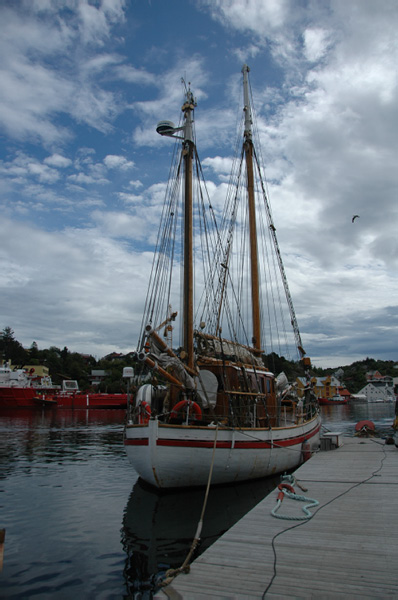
213, 409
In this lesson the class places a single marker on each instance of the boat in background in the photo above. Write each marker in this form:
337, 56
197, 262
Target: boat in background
334, 400
358, 398
72, 397
214, 410
20, 388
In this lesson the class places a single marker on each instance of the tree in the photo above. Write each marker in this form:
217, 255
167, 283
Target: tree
6, 341
34, 353
11, 349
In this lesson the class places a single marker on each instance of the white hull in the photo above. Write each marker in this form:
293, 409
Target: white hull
168, 456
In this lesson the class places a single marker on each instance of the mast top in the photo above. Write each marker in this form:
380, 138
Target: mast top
246, 103
188, 108
168, 128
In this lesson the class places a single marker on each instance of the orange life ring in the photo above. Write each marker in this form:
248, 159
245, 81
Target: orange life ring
193, 406
144, 413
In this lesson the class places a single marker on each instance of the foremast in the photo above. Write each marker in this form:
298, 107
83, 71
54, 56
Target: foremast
188, 151
248, 149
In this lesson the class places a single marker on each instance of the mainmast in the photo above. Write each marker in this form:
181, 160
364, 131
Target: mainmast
248, 148
249, 153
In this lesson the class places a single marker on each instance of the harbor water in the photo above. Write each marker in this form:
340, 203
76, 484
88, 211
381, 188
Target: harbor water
79, 522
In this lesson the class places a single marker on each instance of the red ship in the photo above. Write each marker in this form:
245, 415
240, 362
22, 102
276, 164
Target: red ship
20, 389
334, 400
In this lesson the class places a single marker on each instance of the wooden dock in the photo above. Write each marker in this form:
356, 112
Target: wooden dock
348, 549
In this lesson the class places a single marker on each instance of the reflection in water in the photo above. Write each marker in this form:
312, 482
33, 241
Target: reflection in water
65, 483
159, 526
32, 437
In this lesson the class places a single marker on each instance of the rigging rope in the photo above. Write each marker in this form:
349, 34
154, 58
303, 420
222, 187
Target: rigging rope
219, 260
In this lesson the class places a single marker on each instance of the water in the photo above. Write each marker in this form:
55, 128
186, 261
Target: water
344, 418
79, 523
66, 482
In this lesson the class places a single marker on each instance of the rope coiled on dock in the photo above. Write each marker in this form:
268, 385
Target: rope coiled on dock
286, 489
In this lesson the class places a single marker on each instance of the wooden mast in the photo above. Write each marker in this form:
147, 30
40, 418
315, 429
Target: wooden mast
248, 148
188, 150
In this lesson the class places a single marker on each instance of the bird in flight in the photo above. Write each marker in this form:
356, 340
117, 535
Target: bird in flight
354, 217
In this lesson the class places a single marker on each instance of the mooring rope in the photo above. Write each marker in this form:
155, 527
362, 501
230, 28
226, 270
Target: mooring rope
171, 574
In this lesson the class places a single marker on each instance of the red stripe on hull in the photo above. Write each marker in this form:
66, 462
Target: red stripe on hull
238, 444
139, 442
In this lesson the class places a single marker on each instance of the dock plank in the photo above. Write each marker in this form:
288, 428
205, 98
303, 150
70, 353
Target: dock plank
349, 549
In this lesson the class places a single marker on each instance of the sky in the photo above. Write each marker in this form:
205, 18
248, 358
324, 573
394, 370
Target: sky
82, 87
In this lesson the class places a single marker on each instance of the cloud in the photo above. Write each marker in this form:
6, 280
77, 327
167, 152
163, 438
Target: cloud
118, 162
219, 164
82, 178
246, 53
329, 147
315, 43
335, 348
131, 74
255, 15
120, 224
135, 184
70, 281
59, 161
95, 21
89, 172
35, 93
24, 168
30, 186
129, 198
139, 220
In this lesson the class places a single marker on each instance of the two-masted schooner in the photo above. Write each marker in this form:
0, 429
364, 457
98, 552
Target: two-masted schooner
213, 408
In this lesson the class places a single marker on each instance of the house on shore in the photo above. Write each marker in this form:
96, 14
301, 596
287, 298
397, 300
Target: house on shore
379, 388
323, 387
